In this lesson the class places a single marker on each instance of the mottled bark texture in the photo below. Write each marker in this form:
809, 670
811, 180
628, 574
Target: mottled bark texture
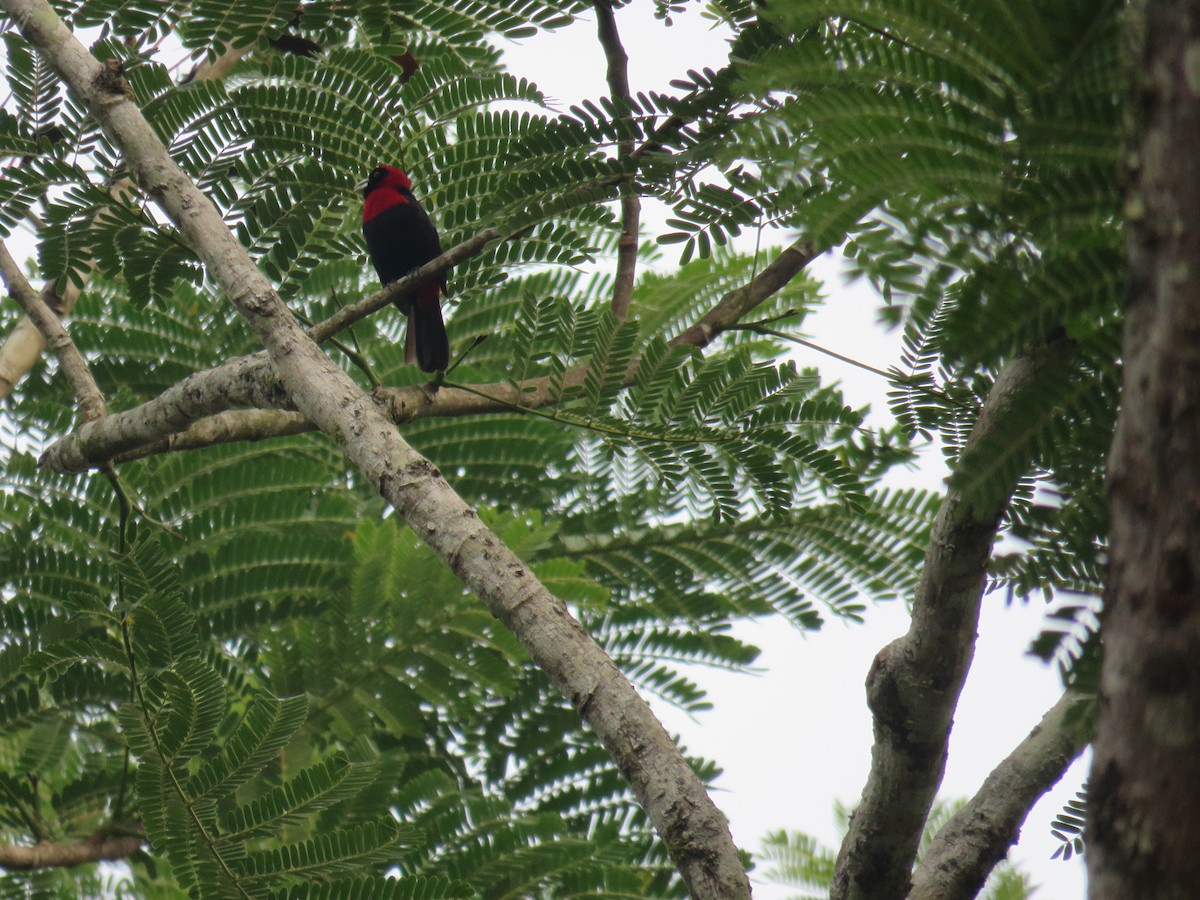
673, 797
1144, 800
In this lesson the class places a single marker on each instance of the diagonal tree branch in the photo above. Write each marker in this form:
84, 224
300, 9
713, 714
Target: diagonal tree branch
64, 855
967, 848
631, 204
674, 798
74, 366
915, 681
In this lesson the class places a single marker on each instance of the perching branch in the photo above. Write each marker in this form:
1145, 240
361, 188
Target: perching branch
46, 855
192, 414
968, 847
74, 366
390, 293
631, 204
674, 798
915, 681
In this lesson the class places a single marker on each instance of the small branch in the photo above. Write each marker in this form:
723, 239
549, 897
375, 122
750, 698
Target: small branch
348, 315
631, 204
25, 344
218, 68
914, 682
46, 855
893, 377
74, 366
737, 303
968, 847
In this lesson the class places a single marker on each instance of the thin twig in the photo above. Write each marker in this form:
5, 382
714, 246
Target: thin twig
631, 204
892, 377
355, 356
128, 505
70, 360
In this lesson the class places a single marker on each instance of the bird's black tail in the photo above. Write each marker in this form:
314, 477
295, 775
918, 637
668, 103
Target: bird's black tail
426, 343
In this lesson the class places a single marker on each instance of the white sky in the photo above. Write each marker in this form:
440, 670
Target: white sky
798, 737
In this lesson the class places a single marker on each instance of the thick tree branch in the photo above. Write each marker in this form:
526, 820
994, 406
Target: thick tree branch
1143, 829
674, 798
224, 428
24, 346
191, 414
76, 853
631, 204
968, 847
74, 366
246, 382
914, 682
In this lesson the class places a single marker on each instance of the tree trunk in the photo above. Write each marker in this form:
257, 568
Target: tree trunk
1144, 816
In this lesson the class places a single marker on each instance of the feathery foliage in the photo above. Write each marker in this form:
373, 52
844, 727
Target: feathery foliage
297, 699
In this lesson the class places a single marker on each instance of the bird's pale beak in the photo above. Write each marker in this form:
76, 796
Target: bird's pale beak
361, 187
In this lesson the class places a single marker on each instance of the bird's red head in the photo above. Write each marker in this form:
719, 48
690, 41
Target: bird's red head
384, 188
386, 177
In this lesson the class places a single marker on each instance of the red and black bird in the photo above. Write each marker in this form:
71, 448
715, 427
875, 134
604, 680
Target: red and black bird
400, 238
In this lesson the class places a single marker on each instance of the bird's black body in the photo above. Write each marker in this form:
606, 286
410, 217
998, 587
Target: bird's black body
400, 237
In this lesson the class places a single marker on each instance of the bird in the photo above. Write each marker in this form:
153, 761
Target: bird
401, 237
